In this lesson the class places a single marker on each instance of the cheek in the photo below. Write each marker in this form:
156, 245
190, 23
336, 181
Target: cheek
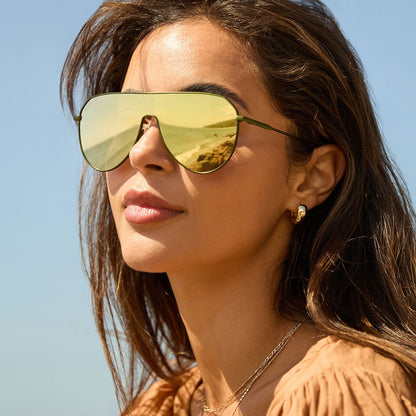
117, 177
247, 202
240, 206
115, 180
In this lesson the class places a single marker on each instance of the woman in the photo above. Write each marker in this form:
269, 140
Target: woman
273, 274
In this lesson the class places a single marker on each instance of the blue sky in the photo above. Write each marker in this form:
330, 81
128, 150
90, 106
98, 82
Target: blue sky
51, 362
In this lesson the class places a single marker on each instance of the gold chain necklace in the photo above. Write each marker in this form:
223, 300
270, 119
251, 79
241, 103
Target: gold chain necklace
240, 393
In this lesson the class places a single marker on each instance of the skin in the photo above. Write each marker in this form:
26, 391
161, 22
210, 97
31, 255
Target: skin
223, 251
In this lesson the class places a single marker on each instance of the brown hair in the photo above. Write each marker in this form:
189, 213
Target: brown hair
351, 264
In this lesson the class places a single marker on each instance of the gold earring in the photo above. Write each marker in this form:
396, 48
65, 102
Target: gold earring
298, 216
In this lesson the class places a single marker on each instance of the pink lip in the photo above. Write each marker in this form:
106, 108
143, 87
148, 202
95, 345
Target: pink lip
143, 207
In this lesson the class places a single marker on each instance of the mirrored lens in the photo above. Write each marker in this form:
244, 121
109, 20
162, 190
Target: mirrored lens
198, 129
108, 130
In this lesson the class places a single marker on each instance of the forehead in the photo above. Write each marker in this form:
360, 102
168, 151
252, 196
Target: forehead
174, 56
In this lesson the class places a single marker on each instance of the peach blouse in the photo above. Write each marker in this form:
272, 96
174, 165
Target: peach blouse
335, 377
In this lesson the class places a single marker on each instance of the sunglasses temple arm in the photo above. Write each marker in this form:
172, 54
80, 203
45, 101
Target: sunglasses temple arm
264, 126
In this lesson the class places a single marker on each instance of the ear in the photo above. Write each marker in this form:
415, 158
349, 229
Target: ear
312, 183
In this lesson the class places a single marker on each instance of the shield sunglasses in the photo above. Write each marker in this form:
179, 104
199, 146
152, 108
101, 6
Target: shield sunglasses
199, 130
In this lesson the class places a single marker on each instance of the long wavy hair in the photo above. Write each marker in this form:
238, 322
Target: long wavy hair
351, 264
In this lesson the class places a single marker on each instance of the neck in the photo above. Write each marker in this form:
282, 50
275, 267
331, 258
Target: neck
231, 323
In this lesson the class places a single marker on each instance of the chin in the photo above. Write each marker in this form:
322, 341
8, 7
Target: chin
146, 259
143, 264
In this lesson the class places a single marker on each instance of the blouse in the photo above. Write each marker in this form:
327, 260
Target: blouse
335, 377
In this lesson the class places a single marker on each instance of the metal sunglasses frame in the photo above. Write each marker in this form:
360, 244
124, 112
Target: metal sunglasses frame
239, 119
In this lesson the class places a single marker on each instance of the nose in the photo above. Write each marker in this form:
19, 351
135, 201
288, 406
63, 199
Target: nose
149, 152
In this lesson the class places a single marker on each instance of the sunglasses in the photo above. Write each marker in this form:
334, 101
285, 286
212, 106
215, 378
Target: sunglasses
199, 130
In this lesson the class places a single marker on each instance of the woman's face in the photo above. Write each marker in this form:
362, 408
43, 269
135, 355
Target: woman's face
169, 219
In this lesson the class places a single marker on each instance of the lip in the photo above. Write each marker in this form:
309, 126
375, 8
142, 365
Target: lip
144, 207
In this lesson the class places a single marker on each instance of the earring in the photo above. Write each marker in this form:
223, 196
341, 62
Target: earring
298, 216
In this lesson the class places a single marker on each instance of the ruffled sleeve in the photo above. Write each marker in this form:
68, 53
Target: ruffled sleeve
337, 377
158, 399
343, 393
165, 398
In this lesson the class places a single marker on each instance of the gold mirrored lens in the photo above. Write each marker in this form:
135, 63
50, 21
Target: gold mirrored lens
198, 129
109, 128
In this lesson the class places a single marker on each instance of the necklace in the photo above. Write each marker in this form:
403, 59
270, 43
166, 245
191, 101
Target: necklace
240, 393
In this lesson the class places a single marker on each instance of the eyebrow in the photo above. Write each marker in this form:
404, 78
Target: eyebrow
216, 89
132, 90
212, 89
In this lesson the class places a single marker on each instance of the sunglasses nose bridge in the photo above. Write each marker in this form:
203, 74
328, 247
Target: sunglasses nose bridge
149, 149
147, 121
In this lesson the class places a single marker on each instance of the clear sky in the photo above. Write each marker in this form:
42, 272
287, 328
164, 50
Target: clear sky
51, 362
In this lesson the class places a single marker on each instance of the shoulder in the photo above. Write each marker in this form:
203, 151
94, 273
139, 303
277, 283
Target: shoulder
166, 398
337, 377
